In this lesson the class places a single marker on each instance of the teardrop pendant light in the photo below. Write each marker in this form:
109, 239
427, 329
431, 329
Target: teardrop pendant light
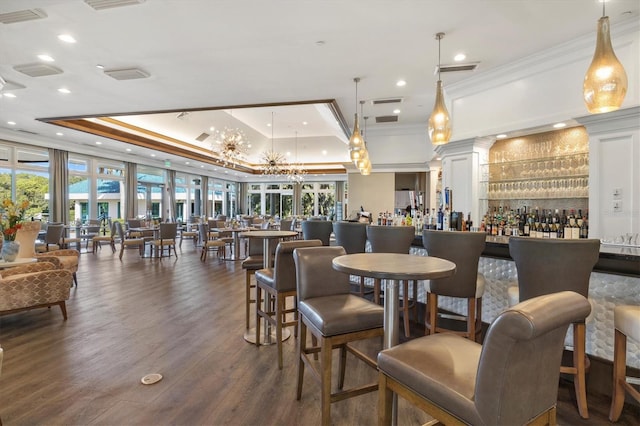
356, 142
605, 83
439, 121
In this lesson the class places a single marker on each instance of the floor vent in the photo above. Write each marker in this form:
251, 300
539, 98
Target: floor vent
37, 69
456, 68
202, 137
387, 119
22, 15
386, 101
108, 4
127, 74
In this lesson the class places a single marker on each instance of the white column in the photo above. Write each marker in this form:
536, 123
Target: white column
461, 173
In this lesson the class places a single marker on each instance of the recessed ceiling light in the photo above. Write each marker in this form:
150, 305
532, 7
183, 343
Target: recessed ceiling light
438, 158
9, 95
501, 136
401, 83
460, 57
212, 129
396, 111
324, 152
128, 149
100, 66
98, 143
64, 90
202, 166
288, 154
226, 171
153, 155
66, 38
304, 123
559, 125
186, 162
248, 145
268, 124
11, 123
59, 134
45, 58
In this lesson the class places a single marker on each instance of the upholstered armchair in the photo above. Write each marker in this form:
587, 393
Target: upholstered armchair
36, 285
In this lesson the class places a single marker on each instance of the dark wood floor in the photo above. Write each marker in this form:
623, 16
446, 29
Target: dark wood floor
185, 320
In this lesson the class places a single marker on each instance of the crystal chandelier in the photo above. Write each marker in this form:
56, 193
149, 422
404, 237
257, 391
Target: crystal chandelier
605, 83
296, 172
273, 163
439, 121
231, 146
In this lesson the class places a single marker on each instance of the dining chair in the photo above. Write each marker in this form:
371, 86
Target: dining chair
626, 320
186, 232
353, 237
128, 242
317, 230
166, 238
110, 239
511, 379
210, 242
52, 238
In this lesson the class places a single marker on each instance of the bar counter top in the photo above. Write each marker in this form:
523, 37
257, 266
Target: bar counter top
614, 259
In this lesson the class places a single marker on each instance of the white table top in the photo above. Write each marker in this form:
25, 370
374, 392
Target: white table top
394, 266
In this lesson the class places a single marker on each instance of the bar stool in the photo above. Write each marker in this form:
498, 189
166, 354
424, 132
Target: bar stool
511, 379
317, 230
334, 317
353, 237
463, 249
547, 266
251, 264
627, 324
395, 239
278, 283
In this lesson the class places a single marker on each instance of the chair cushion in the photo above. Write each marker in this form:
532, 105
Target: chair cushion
441, 367
481, 283
627, 320
265, 276
68, 262
341, 313
253, 262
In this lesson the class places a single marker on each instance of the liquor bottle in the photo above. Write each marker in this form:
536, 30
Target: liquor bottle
546, 230
440, 219
379, 218
584, 229
553, 228
526, 227
469, 222
575, 230
568, 229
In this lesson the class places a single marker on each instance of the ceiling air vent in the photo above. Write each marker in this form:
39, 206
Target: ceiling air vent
387, 119
455, 68
22, 15
126, 74
386, 101
108, 4
37, 69
202, 137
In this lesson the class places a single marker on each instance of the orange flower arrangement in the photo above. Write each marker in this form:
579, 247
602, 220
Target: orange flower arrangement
12, 217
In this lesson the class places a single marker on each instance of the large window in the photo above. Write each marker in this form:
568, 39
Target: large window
24, 174
318, 198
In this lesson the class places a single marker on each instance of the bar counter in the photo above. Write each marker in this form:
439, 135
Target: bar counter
615, 281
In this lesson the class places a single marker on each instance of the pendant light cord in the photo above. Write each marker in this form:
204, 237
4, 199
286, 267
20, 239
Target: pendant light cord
603, 3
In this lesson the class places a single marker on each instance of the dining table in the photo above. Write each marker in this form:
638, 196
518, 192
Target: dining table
393, 268
268, 337
235, 255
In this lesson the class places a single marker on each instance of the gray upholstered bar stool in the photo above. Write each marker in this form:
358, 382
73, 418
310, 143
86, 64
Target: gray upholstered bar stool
511, 379
463, 249
353, 237
278, 283
627, 324
547, 266
395, 239
317, 230
334, 317
252, 263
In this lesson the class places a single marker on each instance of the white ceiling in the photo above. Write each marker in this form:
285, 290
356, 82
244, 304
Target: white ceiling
204, 54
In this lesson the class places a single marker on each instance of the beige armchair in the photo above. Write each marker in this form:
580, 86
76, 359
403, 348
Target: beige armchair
36, 285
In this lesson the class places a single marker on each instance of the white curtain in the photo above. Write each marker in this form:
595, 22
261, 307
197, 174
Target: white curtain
171, 194
204, 193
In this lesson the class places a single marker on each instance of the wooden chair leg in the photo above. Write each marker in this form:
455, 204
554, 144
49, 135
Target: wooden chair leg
432, 313
579, 381
302, 347
247, 298
405, 308
342, 366
376, 291
278, 313
619, 375
258, 296
385, 398
325, 380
